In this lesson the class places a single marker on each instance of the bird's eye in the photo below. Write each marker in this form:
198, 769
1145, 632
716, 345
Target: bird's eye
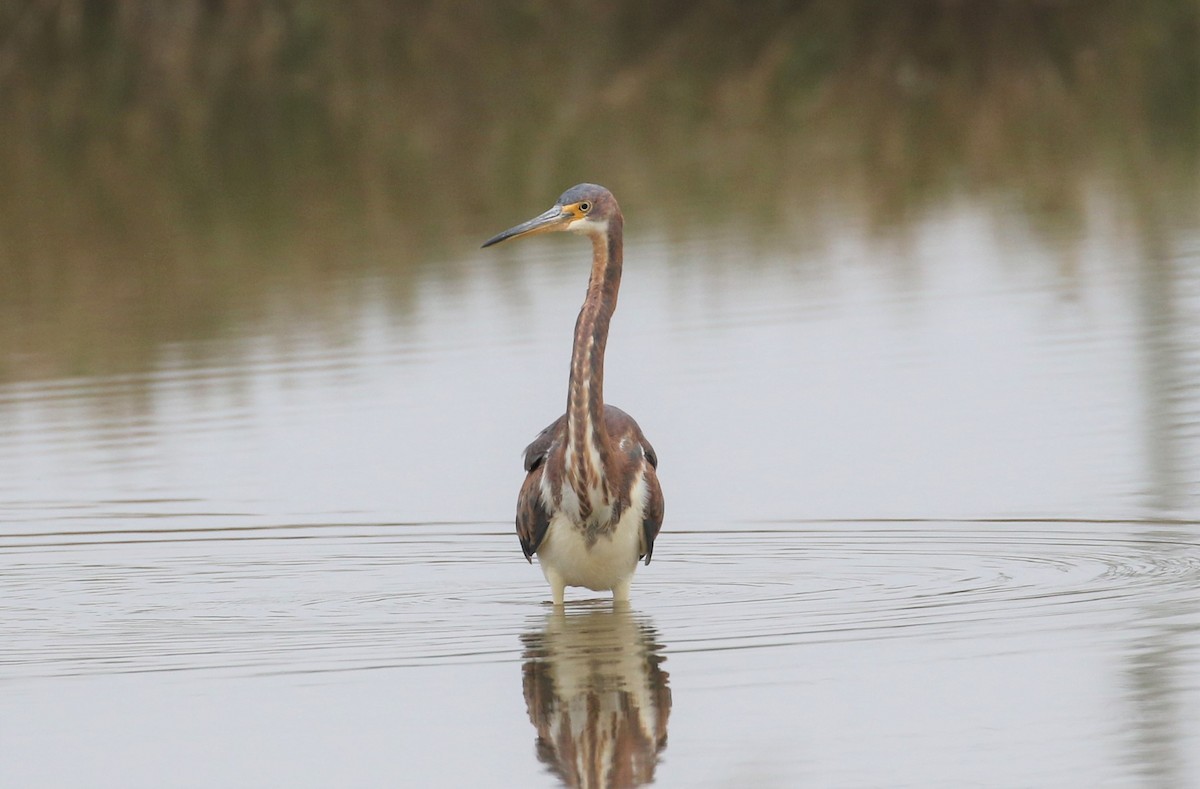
585, 207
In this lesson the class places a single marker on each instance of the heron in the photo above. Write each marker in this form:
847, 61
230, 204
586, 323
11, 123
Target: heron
591, 506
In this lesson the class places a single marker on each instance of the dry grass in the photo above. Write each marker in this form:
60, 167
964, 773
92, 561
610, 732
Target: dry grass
164, 164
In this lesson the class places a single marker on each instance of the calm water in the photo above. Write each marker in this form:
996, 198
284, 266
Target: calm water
931, 458
928, 529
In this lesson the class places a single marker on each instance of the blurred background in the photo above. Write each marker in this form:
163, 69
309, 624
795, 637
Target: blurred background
170, 168
223, 186
921, 276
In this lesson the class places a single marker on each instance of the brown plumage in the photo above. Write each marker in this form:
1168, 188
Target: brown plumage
533, 518
591, 505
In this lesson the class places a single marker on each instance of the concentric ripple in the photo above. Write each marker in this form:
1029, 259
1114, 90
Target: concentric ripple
771, 587
316, 598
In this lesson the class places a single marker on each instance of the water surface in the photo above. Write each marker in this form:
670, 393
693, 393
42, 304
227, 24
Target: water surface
922, 379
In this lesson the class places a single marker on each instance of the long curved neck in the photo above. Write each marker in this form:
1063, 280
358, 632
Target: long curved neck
587, 437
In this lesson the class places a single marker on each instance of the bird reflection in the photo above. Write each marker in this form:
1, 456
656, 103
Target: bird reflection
597, 695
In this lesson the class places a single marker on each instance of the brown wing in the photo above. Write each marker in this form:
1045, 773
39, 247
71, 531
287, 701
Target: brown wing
532, 517
622, 425
651, 455
535, 453
653, 517
619, 424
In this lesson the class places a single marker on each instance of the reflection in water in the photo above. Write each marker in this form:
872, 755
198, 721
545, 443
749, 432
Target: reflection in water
171, 179
597, 695
1167, 295
1156, 659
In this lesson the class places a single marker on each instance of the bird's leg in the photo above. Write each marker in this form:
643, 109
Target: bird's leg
558, 587
621, 591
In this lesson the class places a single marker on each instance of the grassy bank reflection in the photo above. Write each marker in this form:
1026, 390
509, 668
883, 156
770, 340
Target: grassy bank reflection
198, 172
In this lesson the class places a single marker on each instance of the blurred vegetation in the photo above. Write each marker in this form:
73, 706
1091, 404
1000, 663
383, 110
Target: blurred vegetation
166, 164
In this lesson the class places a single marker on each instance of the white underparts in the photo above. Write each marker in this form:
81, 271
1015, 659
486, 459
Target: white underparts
571, 554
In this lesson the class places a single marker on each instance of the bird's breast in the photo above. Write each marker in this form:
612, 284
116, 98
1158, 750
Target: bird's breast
586, 554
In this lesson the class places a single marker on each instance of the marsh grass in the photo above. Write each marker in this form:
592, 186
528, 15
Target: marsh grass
165, 165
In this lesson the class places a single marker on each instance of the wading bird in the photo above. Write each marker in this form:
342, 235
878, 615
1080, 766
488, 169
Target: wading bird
591, 505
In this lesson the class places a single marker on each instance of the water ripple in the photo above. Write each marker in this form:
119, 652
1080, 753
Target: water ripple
789, 586
352, 596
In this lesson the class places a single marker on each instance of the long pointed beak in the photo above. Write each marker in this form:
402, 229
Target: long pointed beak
551, 220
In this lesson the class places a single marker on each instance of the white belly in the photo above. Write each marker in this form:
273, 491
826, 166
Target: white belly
603, 565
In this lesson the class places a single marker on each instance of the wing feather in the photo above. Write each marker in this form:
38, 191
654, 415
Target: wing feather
623, 426
652, 517
532, 517
539, 448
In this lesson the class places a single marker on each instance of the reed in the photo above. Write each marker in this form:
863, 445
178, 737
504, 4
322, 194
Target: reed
166, 164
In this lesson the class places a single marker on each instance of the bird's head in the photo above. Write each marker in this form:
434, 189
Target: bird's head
586, 209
